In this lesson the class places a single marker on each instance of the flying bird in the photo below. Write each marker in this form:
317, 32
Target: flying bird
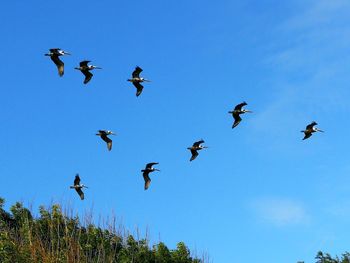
238, 110
195, 148
310, 129
104, 136
78, 187
85, 69
54, 54
137, 80
149, 169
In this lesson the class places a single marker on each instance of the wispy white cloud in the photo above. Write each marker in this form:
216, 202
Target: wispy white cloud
313, 38
280, 212
316, 12
307, 60
339, 209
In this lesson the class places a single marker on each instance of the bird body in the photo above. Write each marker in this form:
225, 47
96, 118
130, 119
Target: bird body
238, 110
104, 136
136, 80
310, 129
145, 172
78, 187
195, 148
85, 69
54, 54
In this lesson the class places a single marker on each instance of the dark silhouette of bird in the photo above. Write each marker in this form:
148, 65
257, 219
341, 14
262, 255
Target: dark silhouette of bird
195, 148
149, 169
54, 54
85, 69
238, 110
310, 129
78, 187
103, 134
137, 80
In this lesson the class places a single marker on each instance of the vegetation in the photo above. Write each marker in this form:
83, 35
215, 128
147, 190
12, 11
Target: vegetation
326, 258
55, 237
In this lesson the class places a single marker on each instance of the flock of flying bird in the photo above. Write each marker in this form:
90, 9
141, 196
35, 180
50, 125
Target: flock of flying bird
136, 80
85, 68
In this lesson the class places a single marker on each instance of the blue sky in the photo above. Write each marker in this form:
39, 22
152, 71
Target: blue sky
259, 193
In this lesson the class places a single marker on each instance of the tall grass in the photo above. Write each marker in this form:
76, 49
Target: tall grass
60, 236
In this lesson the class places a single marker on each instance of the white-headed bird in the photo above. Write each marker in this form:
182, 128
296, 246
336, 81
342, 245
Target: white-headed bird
145, 172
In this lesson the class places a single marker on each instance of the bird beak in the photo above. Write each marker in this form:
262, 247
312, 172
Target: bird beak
157, 170
98, 68
147, 80
230, 112
66, 53
248, 111
320, 130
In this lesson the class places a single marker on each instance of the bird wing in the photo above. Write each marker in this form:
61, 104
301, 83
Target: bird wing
59, 64
136, 72
240, 106
147, 179
194, 155
107, 140
196, 144
88, 76
307, 135
54, 50
149, 165
84, 63
237, 120
311, 125
139, 88
77, 180
80, 193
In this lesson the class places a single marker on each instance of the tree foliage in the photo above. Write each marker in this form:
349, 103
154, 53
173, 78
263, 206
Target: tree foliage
326, 258
55, 237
